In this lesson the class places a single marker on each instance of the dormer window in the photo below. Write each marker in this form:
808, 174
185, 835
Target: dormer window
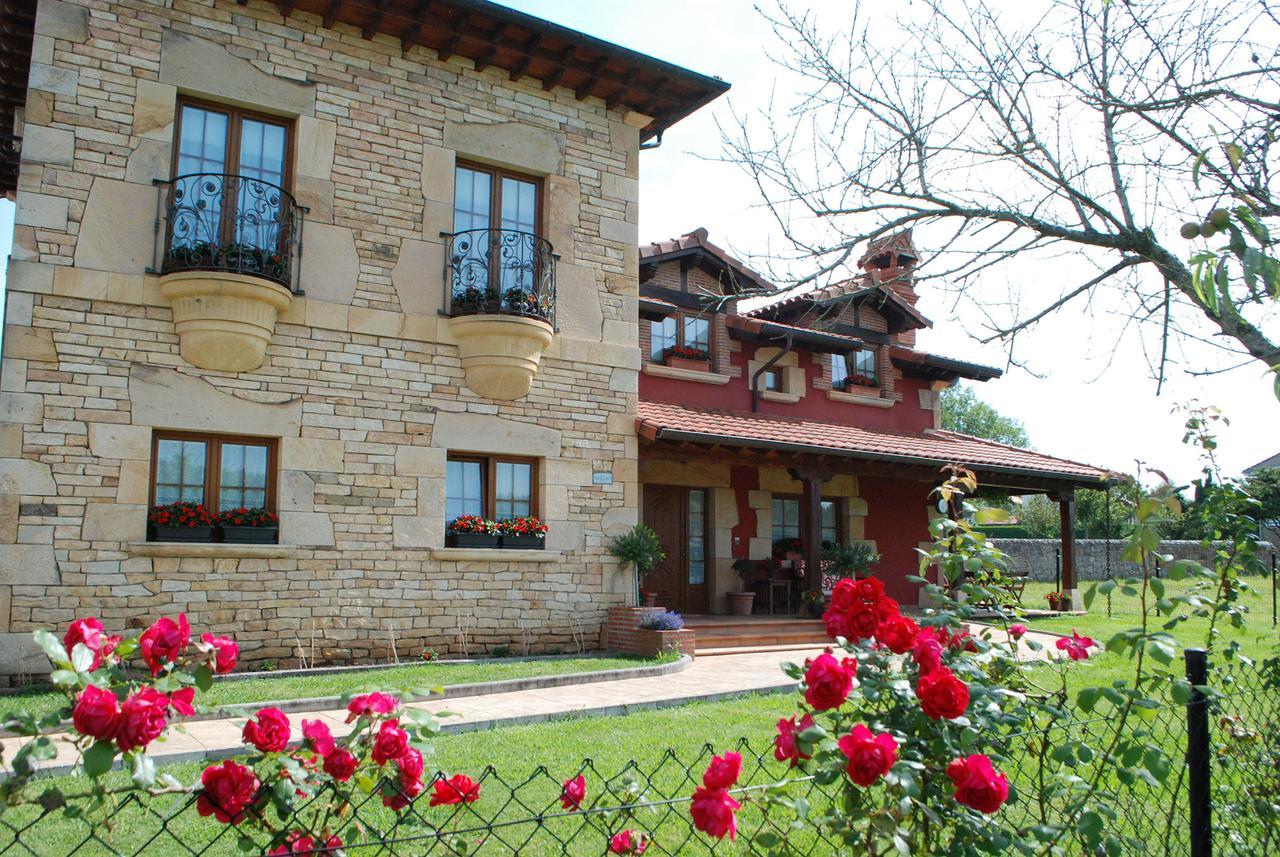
857, 369
683, 336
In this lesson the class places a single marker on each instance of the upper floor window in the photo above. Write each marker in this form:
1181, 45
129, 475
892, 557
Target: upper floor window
687, 334
221, 472
229, 207
498, 260
857, 369
490, 487
771, 380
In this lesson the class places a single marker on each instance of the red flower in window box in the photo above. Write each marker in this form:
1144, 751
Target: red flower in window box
244, 525
186, 522
473, 524
686, 352
526, 532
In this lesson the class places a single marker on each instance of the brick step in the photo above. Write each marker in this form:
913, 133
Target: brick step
751, 649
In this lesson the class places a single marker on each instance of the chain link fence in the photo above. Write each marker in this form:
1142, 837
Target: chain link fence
522, 815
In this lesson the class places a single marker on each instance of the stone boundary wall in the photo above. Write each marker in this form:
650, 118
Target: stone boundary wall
1036, 558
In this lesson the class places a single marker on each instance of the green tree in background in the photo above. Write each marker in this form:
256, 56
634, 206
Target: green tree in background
964, 412
1265, 487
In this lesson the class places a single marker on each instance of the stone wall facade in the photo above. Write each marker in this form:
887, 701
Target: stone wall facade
1038, 558
361, 385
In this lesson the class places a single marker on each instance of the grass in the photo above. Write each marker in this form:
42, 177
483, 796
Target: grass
41, 701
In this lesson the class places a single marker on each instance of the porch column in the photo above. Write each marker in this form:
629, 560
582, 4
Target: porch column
1067, 514
811, 522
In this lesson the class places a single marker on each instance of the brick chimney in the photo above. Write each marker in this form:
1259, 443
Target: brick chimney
891, 261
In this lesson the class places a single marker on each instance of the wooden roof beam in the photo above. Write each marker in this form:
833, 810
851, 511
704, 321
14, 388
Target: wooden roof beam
483, 61
593, 77
522, 66
285, 7
553, 80
371, 29
409, 38
331, 14
447, 49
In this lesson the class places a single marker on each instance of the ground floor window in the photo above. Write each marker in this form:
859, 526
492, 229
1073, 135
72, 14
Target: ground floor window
490, 487
697, 537
221, 472
786, 520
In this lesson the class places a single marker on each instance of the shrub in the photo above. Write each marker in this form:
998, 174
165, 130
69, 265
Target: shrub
640, 547
663, 622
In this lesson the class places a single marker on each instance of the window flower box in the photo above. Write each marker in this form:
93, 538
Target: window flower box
690, 359
249, 526
858, 381
472, 531
526, 533
181, 522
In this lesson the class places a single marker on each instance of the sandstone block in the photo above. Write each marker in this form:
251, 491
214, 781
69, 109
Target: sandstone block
310, 529
58, 20
29, 343
297, 491
512, 144
154, 109
51, 78
437, 174
41, 210
309, 453
112, 522
199, 66
420, 461
126, 442
486, 433
316, 139
26, 477
330, 265
41, 145
170, 399
117, 232
28, 565
8, 518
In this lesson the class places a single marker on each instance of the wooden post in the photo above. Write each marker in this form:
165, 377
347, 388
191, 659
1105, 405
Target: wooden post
1067, 514
811, 522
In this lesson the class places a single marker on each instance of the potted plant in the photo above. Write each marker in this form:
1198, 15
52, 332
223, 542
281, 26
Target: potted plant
249, 526
527, 533
814, 603
519, 300
743, 601
472, 531
469, 299
686, 357
640, 547
181, 522
1057, 601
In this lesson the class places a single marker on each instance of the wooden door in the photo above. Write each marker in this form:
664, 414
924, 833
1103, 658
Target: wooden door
679, 517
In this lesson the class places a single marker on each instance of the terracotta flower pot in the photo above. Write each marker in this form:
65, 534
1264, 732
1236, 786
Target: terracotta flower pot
689, 364
740, 603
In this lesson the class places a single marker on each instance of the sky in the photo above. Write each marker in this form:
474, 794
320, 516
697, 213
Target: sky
1086, 400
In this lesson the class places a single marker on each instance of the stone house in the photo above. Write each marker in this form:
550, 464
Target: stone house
368, 265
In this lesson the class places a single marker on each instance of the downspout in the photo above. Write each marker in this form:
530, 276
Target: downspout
652, 144
768, 364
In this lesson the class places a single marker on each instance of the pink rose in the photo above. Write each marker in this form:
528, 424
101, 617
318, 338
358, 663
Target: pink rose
269, 732
1017, 631
224, 650
227, 791
370, 705
96, 713
828, 681
390, 742
723, 771
713, 812
628, 842
341, 764
163, 642
785, 747
142, 719
869, 756
87, 631
1076, 647
457, 789
942, 695
573, 793
927, 651
318, 737
978, 785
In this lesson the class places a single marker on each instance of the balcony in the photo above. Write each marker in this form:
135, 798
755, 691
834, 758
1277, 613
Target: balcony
228, 262
500, 297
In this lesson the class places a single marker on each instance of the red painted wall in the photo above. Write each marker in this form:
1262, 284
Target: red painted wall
897, 521
906, 416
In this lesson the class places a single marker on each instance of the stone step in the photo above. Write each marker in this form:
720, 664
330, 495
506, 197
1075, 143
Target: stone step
803, 649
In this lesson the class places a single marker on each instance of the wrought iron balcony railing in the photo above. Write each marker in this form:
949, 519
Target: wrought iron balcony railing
500, 271
221, 222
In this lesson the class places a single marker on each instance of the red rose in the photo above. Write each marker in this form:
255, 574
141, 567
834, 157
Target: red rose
224, 650
410, 767
89, 632
390, 742
942, 695
926, 651
318, 737
181, 701
298, 842
457, 789
269, 732
870, 589
341, 764
862, 622
1017, 631
227, 791
978, 785
573, 793
628, 842
142, 719
97, 713
164, 641
870, 756
785, 746
723, 771
1075, 646
713, 812
837, 622
828, 681
897, 634
402, 794
887, 608
370, 705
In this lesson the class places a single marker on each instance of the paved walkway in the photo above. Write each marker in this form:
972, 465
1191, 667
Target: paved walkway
708, 678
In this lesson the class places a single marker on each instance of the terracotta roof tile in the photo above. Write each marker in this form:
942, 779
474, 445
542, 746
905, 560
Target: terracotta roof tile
698, 239
657, 420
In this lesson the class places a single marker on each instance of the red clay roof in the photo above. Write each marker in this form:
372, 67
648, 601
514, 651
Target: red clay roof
666, 421
698, 240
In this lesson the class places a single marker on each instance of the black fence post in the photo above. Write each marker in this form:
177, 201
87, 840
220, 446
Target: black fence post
1198, 754
1273, 589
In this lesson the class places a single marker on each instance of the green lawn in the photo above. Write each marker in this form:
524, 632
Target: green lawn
410, 676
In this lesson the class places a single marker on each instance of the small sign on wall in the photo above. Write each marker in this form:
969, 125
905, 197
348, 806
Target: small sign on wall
602, 477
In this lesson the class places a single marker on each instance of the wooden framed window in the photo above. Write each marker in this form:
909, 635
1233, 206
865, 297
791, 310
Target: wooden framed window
697, 527
682, 330
490, 487
858, 368
786, 520
226, 163
221, 471
830, 522
772, 380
